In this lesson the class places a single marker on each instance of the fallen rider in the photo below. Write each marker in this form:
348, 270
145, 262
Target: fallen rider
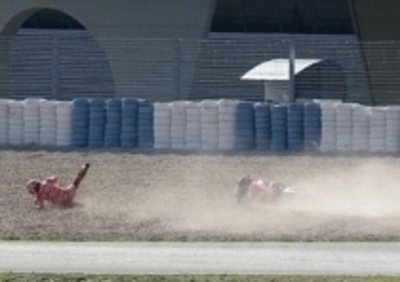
257, 189
48, 190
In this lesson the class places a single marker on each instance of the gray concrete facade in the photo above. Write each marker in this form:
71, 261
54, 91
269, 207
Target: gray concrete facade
113, 19
116, 24
377, 25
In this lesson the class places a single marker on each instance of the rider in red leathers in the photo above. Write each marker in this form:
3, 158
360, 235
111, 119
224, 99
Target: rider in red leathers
49, 190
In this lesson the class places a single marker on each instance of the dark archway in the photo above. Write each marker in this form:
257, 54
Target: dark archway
51, 19
53, 56
377, 26
282, 16
323, 80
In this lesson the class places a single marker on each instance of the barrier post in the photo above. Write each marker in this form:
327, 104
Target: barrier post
178, 67
292, 75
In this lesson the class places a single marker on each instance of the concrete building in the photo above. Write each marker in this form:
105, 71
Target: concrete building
180, 49
110, 21
377, 27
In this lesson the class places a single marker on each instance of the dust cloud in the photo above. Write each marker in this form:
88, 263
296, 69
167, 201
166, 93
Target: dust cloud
337, 198
370, 189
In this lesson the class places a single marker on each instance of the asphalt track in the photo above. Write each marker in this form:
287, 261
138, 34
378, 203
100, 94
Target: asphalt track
201, 258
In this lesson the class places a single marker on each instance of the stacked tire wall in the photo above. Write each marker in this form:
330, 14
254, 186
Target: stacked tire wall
244, 127
227, 118
4, 122
360, 129
279, 128
193, 126
80, 122
16, 123
129, 121
262, 126
208, 125
97, 123
113, 117
178, 125
31, 121
295, 127
145, 125
209, 121
162, 126
64, 124
312, 126
393, 129
48, 123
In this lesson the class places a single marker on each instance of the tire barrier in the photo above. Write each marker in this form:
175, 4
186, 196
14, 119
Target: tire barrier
312, 126
16, 123
227, 114
129, 120
208, 125
377, 136
4, 122
112, 132
244, 126
31, 121
193, 127
393, 129
328, 127
262, 120
162, 126
64, 123
360, 129
80, 122
48, 123
295, 127
279, 128
178, 125
344, 113
97, 123
145, 126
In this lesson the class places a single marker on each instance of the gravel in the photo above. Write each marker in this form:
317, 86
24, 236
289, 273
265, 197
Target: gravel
148, 196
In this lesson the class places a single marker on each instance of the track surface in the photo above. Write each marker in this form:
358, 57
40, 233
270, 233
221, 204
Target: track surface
202, 258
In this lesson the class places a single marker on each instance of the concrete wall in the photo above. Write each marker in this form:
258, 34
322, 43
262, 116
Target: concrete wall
377, 21
228, 56
63, 64
113, 19
119, 18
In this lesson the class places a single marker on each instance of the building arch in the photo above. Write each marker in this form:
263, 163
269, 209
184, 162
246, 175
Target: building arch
52, 19
135, 36
13, 25
66, 49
